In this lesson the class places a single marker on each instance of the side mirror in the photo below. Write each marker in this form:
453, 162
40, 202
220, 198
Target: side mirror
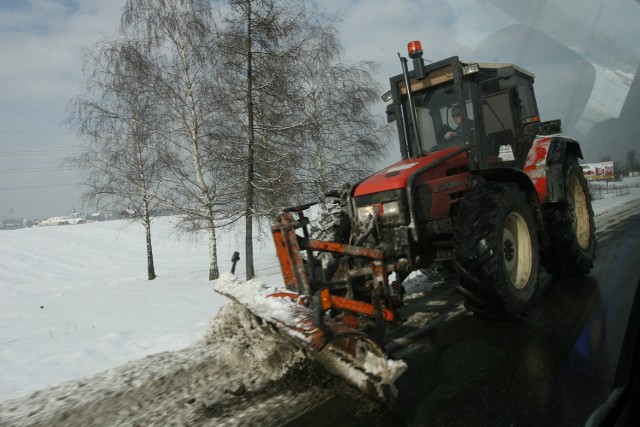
391, 113
549, 127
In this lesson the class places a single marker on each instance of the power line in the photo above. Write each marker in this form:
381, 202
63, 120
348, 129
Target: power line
35, 187
27, 152
41, 169
32, 132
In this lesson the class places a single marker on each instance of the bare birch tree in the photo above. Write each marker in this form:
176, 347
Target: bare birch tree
179, 40
116, 123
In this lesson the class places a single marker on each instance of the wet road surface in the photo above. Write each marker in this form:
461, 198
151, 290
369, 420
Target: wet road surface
556, 367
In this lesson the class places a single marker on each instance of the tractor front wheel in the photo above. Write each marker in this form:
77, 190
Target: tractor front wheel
570, 226
496, 245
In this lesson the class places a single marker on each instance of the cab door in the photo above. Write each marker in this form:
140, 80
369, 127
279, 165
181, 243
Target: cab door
501, 128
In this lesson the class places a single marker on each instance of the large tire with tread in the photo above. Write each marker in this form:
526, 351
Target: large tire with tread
497, 255
570, 226
333, 225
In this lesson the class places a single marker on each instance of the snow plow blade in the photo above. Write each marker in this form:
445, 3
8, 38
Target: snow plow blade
343, 351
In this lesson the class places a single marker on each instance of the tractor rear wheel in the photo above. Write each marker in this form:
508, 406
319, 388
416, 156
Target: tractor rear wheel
570, 226
496, 245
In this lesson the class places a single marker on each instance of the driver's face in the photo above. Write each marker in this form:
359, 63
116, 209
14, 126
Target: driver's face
457, 119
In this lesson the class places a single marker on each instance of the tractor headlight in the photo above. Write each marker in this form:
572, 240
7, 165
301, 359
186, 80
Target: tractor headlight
387, 211
390, 209
364, 213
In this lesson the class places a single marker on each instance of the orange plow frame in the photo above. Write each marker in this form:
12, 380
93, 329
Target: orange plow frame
298, 277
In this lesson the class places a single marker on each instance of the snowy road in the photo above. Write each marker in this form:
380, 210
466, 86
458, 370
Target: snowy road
243, 373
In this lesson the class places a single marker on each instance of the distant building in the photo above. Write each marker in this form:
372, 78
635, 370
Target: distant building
73, 218
96, 216
10, 224
128, 213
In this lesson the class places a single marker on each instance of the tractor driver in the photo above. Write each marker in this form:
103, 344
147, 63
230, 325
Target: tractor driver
453, 134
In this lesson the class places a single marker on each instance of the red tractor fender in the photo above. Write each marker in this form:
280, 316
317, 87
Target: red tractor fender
544, 165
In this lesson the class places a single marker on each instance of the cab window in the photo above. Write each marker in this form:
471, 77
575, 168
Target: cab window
500, 128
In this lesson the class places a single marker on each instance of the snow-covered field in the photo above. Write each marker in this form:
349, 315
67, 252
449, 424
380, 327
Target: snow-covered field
74, 300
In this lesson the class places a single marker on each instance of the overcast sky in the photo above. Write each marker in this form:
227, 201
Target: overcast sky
41, 70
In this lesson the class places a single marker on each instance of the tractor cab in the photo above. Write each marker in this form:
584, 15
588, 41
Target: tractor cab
488, 107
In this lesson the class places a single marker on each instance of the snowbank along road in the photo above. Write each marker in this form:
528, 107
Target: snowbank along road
242, 373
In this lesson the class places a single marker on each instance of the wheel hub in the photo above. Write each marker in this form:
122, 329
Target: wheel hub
516, 250
579, 212
509, 252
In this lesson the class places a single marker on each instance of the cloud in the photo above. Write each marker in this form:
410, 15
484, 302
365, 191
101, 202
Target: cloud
41, 69
41, 45
378, 29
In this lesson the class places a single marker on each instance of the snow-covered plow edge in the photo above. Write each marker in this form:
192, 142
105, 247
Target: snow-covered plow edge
351, 356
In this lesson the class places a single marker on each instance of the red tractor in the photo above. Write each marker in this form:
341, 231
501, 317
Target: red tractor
483, 185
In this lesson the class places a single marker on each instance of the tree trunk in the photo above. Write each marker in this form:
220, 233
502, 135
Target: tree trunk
214, 273
151, 270
250, 273
321, 187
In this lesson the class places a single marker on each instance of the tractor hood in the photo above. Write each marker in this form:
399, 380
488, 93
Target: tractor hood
397, 175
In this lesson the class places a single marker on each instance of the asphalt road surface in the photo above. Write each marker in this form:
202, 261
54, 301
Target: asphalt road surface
556, 367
